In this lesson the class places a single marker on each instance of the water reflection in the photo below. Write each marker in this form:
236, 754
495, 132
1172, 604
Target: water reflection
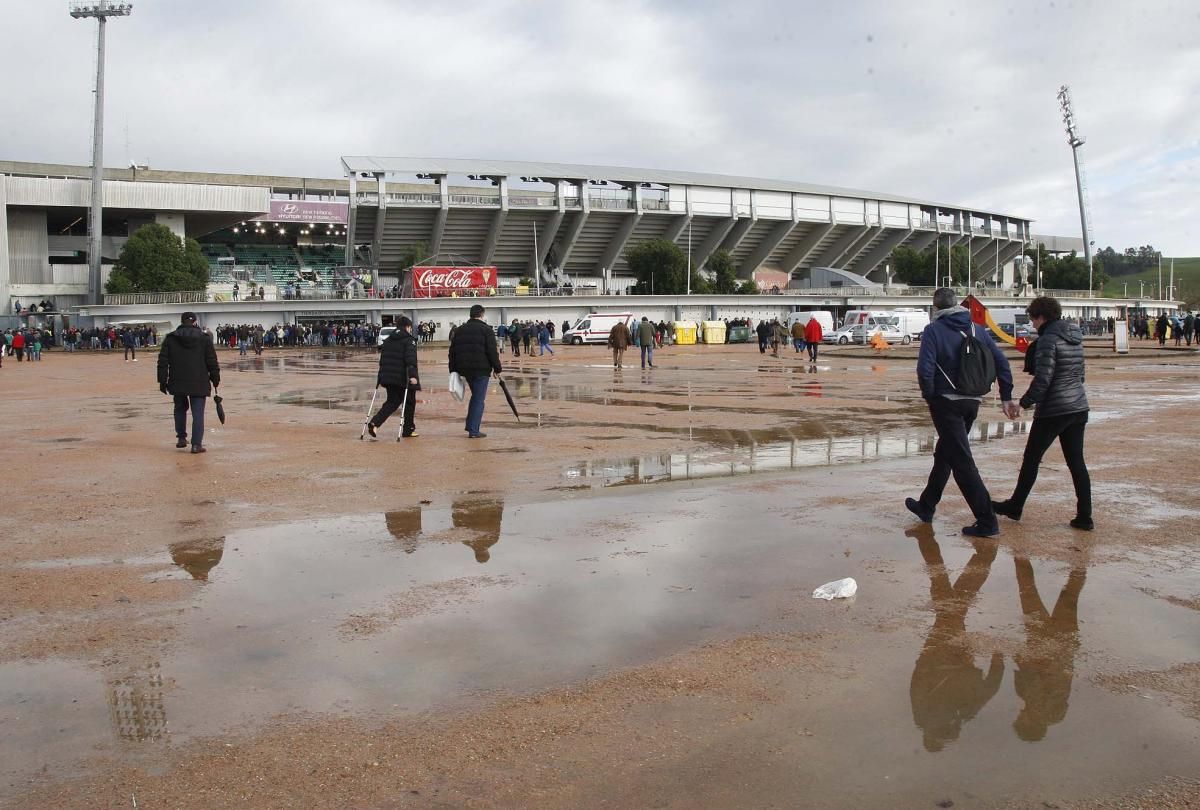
947, 688
198, 557
483, 518
136, 707
781, 451
480, 518
1046, 664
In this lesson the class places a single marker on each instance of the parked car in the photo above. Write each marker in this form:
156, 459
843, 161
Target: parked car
863, 332
384, 333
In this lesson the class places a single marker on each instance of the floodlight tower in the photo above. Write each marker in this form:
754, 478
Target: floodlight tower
1076, 140
101, 10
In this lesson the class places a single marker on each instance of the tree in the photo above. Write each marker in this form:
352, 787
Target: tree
154, 259
1068, 272
748, 287
413, 254
725, 280
927, 268
659, 266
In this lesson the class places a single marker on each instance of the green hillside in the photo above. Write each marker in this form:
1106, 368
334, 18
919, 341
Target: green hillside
1187, 280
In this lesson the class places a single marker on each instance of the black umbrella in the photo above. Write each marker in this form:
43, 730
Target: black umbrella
220, 408
508, 396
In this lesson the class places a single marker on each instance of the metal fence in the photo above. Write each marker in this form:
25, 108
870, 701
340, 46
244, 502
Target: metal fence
182, 297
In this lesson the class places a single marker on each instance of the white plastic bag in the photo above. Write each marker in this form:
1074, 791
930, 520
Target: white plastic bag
458, 387
839, 589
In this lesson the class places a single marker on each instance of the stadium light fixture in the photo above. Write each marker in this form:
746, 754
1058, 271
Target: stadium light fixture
100, 10
1076, 140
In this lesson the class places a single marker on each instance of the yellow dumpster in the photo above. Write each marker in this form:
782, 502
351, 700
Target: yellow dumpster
685, 333
713, 331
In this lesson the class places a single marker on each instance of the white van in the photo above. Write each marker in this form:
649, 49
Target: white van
910, 321
857, 316
824, 317
594, 328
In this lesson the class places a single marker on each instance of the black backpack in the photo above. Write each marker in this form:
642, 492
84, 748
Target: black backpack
976, 367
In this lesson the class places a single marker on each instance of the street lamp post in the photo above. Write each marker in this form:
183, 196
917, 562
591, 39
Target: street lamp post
101, 10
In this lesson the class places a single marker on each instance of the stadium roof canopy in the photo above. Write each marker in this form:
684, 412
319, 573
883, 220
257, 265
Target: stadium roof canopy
620, 174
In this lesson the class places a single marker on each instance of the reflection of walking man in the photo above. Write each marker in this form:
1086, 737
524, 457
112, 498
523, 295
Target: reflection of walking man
1046, 665
474, 356
947, 688
187, 363
483, 518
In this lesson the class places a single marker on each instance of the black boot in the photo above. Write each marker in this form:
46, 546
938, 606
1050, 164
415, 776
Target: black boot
1007, 509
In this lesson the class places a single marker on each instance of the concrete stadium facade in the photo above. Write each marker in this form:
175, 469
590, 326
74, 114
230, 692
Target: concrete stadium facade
583, 218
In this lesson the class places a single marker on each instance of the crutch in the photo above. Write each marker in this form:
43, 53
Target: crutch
370, 408
403, 402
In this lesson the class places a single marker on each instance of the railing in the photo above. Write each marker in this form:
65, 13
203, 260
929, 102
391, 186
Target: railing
656, 205
406, 198
532, 200
474, 199
182, 297
571, 202
609, 202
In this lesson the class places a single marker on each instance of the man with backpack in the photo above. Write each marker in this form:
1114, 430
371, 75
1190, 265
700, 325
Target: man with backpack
956, 367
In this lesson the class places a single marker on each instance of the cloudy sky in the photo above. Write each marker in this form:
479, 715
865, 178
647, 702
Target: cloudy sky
949, 101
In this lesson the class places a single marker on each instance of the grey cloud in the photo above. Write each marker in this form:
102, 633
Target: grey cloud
939, 100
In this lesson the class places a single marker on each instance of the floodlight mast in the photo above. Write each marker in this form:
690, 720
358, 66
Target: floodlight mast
101, 10
1076, 140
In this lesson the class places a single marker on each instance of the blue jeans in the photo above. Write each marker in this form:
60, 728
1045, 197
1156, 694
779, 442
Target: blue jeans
798, 343
242, 344
196, 404
543, 348
479, 387
647, 355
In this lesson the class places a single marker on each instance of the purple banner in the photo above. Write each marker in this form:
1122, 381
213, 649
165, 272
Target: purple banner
307, 212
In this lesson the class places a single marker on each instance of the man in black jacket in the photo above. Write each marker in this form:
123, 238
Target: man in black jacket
398, 374
187, 363
474, 356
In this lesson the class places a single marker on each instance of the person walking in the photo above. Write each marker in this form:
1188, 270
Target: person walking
473, 355
514, 338
527, 338
619, 338
813, 336
1060, 409
797, 336
953, 409
130, 344
544, 340
18, 345
646, 341
187, 363
779, 336
398, 374
763, 330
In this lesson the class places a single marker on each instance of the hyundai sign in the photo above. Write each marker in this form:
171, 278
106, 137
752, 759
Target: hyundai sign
306, 212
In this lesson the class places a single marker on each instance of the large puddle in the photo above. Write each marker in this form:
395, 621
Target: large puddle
446, 603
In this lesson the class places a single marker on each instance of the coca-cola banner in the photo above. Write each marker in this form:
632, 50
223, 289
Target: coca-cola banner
308, 212
441, 282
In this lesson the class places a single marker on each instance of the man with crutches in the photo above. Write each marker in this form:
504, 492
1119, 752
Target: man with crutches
398, 375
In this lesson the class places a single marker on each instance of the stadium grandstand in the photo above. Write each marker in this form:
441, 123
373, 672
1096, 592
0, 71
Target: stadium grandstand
559, 225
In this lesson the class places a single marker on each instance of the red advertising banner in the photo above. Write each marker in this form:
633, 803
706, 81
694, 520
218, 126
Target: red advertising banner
446, 282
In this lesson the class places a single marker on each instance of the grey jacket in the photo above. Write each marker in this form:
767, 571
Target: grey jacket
1057, 387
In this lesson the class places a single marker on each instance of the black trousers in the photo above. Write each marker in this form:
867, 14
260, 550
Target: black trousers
952, 418
812, 351
395, 394
1068, 429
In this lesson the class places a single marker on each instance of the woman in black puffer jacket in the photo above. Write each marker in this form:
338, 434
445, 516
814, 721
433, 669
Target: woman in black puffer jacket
398, 374
1060, 409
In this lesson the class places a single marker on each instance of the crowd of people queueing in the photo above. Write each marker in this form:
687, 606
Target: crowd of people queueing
247, 337
1180, 328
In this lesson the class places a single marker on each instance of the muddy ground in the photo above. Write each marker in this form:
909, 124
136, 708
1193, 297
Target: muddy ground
606, 604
